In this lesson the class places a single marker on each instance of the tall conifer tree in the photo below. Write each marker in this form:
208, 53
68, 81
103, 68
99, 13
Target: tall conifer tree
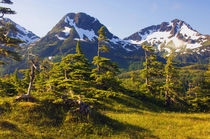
153, 70
102, 46
7, 44
106, 70
172, 83
72, 73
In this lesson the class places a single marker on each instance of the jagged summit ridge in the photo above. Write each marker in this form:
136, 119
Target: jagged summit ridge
23, 34
85, 28
176, 34
83, 33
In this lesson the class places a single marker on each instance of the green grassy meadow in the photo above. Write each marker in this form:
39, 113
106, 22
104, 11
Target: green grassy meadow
121, 117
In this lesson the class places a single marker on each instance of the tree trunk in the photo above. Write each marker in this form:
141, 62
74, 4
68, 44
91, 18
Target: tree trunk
167, 97
147, 67
65, 72
98, 66
32, 76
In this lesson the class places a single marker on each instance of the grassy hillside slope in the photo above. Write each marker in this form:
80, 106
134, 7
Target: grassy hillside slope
123, 116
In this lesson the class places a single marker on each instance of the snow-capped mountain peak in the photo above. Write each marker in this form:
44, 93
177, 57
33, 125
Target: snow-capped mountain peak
85, 28
90, 34
21, 33
84, 25
176, 34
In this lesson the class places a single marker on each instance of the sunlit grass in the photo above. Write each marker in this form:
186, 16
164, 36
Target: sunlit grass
121, 117
168, 125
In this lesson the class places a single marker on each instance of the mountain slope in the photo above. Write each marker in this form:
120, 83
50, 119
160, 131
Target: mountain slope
21, 33
190, 45
61, 40
176, 35
80, 26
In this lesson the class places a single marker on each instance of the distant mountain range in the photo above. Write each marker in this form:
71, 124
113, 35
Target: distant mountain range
176, 35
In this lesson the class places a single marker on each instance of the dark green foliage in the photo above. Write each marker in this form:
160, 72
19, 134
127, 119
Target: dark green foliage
106, 71
4, 10
198, 93
42, 76
7, 44
105, 79
152, 72
7, 88
172, 84
71, 74
102, 41
78, 48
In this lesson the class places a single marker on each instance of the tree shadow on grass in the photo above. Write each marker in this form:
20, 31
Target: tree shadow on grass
143, 103
6, 125
117, 127
196, 118
151, 103
43, 113
110, 108
51, 114
16, 132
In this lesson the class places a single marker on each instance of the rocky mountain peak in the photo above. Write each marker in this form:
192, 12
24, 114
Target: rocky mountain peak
21, 33
82, 20
176, 34
84, 26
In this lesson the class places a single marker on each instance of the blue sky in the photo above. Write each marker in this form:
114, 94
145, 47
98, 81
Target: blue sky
122, 17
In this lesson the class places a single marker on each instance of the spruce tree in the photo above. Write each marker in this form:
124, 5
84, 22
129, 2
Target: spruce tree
172, 83
4, 10
198, 92
105, 71
42, 78
72, 73
7, 44
152, 72
78, 48
102, 46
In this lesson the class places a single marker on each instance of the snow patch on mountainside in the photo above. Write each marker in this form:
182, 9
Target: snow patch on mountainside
23, 34
115, 40
67, 31
95, 20
60, 38
189, 33
22, 29
175, 34
90, 34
